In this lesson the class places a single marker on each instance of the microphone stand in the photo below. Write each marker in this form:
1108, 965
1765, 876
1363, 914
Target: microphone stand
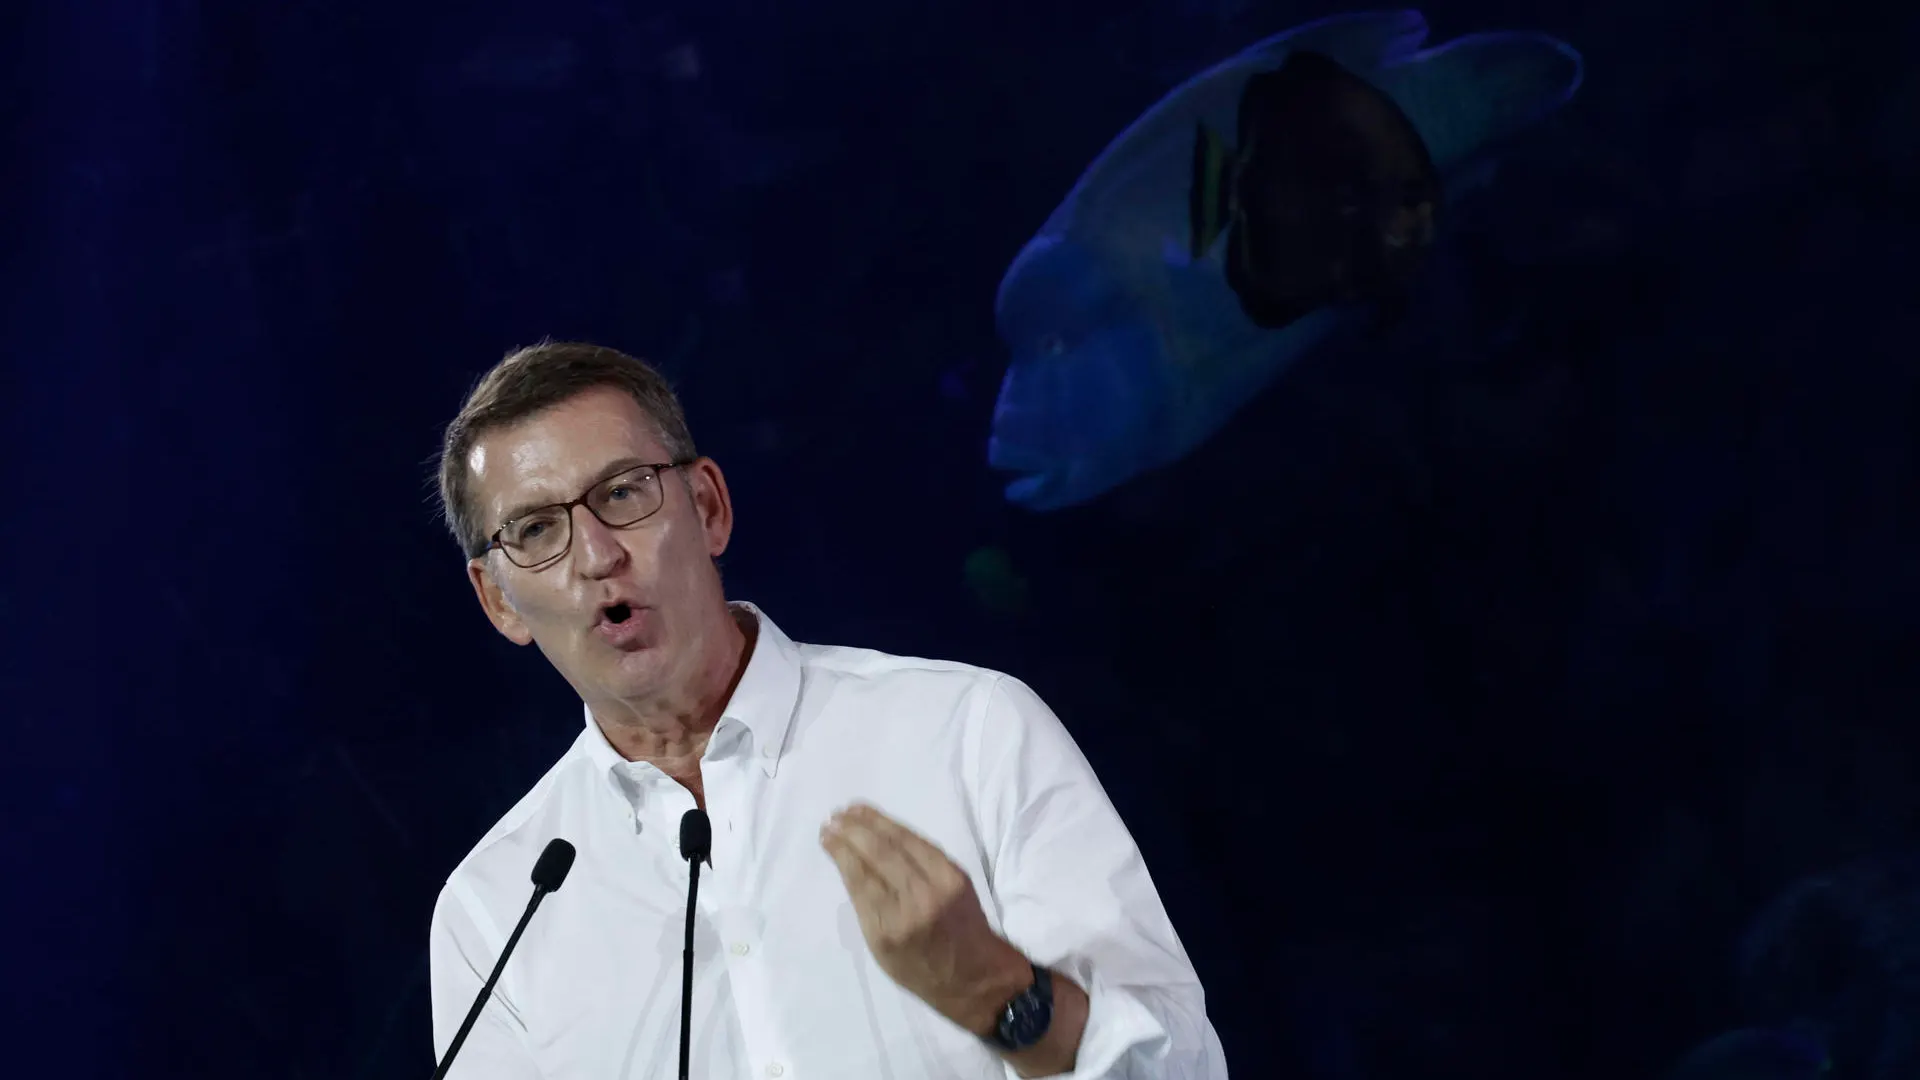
548, 873
696, 843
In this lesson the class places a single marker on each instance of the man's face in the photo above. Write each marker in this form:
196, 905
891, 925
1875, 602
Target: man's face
661, 569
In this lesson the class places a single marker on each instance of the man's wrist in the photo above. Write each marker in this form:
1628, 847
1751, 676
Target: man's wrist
1010, 976
1058, 1046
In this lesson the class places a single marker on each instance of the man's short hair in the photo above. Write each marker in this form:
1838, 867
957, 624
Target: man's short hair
529, 381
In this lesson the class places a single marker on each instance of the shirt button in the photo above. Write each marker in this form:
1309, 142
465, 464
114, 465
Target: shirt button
775, 1069
767, 750
741, 948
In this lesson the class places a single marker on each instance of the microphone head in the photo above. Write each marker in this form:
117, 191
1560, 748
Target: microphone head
696, 835
550, 869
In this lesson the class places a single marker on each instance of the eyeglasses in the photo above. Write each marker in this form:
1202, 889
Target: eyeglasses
542, 535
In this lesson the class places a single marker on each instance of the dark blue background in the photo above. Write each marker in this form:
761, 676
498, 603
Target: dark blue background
1467, 695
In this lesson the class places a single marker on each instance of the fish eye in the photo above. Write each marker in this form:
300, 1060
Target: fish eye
1052, 345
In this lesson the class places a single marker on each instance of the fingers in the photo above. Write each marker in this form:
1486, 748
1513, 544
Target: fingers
918, 855
902, 864
864, 878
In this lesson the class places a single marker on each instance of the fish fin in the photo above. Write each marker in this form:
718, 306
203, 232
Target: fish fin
1192, 304
1207, 197
1193, 286
1481, 88
1174, 253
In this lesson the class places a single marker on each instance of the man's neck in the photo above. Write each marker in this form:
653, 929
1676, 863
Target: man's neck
670, 732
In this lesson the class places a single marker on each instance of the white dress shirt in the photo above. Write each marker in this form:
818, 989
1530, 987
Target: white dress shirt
784, 985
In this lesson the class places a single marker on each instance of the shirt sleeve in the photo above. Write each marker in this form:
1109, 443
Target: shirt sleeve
1073, 893
460, 956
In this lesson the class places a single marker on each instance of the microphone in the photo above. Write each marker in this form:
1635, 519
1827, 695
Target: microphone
549, 870
696, 846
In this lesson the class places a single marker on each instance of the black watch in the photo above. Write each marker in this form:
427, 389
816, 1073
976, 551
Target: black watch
1024, 1020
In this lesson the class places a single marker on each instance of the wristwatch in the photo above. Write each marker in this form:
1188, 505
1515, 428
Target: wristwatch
1025, 1019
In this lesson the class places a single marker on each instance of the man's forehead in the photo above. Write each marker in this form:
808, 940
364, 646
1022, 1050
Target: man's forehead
554, 461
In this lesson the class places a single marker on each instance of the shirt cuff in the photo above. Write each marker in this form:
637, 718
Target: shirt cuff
1119, 1026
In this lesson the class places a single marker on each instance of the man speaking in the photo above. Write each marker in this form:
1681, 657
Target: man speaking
913, 872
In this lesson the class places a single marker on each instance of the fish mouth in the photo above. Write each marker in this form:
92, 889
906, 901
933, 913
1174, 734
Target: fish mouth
1026, 489
1032, 489
1033, 474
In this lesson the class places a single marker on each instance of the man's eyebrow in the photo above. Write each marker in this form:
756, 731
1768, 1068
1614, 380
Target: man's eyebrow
607, 472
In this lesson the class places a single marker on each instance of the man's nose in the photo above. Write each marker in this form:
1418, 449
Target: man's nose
599, 551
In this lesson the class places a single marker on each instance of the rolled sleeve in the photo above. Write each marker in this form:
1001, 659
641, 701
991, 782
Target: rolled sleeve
1073, 893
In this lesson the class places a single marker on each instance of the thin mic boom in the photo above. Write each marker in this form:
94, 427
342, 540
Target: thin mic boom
549, 873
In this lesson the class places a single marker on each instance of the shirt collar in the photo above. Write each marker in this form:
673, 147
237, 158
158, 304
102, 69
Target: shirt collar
763, 701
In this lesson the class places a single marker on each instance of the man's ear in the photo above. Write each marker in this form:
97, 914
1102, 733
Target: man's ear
712, 503
493, 600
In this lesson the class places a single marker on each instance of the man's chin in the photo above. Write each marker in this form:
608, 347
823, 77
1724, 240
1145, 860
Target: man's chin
634, 672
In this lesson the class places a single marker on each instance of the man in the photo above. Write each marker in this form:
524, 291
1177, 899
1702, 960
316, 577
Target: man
914, 873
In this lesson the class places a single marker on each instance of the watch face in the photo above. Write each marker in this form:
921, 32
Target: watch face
1025, 1019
